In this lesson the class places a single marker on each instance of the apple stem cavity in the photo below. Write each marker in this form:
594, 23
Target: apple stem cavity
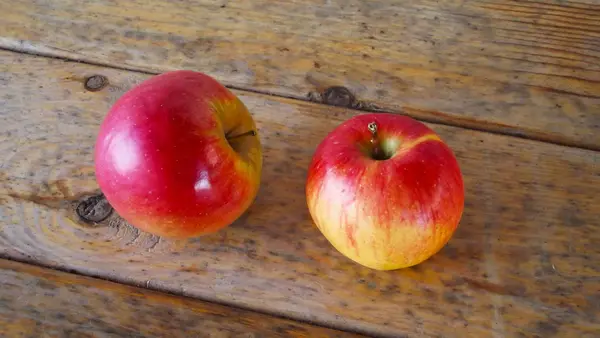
248, 133
377, 153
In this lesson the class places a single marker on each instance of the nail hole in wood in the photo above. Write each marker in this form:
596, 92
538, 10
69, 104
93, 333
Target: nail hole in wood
339, 96
94, 209
95, 83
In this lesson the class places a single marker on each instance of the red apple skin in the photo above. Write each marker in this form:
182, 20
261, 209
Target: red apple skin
163, 162
385, 214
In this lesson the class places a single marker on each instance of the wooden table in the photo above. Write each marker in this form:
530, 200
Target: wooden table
512, 86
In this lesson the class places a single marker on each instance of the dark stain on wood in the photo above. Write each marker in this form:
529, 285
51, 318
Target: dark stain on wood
546, 328
513, 290
570, 215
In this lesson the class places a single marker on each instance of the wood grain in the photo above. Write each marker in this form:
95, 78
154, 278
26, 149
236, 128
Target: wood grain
528, 68
38, 302
522, 263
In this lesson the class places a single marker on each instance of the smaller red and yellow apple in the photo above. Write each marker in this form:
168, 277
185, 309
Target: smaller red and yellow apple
385, 190
179, 155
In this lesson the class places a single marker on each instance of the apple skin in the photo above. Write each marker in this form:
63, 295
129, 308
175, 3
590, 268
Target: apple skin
385, 214
164, 163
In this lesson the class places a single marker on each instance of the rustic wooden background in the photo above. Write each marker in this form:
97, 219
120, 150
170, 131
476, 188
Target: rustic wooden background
512, 86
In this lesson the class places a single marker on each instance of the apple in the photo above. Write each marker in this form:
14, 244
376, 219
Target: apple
385, 190
179, 155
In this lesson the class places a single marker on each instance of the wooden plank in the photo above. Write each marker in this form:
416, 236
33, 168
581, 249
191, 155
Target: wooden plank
523, 261
38, 302
528, 68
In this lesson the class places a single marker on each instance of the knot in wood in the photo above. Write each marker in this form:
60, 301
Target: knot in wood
95, 83
94, 209
339, 96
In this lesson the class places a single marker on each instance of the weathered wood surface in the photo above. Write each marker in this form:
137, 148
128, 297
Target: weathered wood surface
523, 261
529, 68
37, 302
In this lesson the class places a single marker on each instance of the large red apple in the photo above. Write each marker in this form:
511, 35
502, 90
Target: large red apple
385, 190
179, 155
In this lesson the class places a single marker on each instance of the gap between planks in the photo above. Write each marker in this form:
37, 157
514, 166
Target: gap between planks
463, 122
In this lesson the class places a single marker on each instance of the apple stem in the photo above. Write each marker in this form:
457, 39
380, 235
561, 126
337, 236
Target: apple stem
248, 133
374, 140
